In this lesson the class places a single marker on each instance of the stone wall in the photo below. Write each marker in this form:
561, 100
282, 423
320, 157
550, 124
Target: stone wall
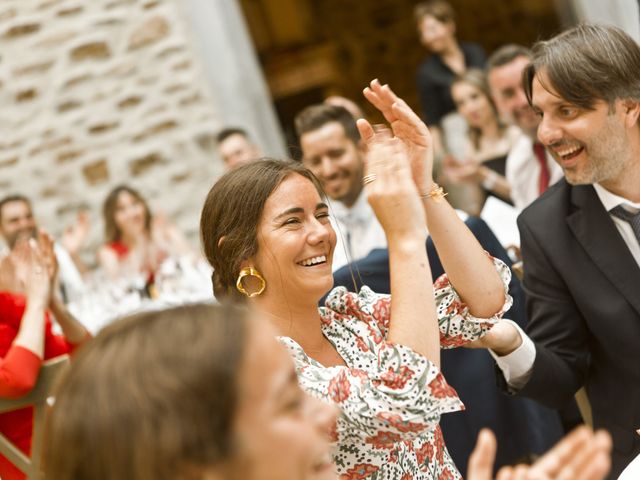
94, 93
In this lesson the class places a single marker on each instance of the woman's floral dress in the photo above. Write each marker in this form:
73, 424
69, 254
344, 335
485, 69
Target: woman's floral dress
390, 397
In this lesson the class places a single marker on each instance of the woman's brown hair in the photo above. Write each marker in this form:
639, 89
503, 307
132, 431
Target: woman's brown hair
153, 396
231, 215
111, 231
477, 79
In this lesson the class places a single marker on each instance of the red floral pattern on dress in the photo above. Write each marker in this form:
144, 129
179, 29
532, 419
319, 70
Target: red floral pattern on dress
390, 397
339, 387
438, 441
446, 475
396, 379
441, 389
384, 439
359, 472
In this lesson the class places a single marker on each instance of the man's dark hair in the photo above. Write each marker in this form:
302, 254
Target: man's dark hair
507, 54
317, 116
438, 9
586, 64
16, 197
225, 133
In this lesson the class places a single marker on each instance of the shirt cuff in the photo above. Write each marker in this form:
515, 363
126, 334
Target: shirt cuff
518, 365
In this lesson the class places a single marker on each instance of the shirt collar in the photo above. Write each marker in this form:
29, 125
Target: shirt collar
360, 211
611, 200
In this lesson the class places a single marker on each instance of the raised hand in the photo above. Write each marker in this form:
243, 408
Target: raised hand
75, 236
33, 272
581, 455
408, 128
389, 187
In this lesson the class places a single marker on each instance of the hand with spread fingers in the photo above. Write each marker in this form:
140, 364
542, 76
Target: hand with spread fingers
581, 455
389, 186
407, 127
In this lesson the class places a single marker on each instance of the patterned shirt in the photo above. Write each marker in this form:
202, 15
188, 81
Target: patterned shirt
390, 396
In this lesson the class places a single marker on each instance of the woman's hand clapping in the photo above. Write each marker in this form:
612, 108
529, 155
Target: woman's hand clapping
407, 127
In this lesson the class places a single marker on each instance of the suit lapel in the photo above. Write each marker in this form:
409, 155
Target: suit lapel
596, 232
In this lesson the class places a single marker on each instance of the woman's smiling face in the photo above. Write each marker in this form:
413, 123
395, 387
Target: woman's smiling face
295, 242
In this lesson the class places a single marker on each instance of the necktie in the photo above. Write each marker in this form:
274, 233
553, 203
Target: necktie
545, 176
632, 218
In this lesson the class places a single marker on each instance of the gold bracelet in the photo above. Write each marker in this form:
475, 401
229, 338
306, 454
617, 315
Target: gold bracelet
437, 193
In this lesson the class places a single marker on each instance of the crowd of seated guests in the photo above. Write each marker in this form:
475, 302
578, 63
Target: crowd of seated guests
206, 392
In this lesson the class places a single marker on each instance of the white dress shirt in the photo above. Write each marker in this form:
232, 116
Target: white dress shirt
517, 366
357, 230
523, 172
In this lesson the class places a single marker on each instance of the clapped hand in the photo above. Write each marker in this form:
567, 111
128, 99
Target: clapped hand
408, 128
581, 455
389, 186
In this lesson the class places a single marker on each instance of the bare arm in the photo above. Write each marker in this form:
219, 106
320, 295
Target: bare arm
394, 198
469, 269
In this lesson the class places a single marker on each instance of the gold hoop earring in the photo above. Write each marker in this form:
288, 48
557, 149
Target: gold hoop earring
250, 272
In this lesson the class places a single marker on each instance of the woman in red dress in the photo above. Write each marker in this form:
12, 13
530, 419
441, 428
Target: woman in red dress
26, 338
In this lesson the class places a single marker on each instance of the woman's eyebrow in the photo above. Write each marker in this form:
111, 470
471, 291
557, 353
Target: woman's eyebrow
290, 211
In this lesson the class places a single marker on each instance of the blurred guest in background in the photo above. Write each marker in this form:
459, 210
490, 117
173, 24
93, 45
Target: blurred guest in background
26, 337
352, 107
236, 148
17, 223
488, 140
530, 170
136, 243
437, 29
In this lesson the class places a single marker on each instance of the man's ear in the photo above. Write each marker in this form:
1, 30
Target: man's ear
631, 112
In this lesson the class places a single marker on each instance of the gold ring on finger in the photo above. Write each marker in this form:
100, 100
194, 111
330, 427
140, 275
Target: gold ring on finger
367, 179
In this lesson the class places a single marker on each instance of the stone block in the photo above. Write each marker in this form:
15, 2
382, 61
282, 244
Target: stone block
8, 14
76, 80
104, 127
68, 105
8, 162
130, 102
68, 156
96, 172
55, 39
21, 30
49, 191
70, 11
154, 130
180, 177
91, 51
49, 145
26, 95
33, 68
206, 142
141, 165
154, 29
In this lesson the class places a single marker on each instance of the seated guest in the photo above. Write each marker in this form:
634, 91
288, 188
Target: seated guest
18, 223
436, 22
136, 242
266, 232
228, 407
236, 148
333, 151
530, 169
488, 140
26, 337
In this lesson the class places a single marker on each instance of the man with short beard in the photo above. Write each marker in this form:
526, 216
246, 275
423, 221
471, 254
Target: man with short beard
17, 225
581, 239
530, 170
